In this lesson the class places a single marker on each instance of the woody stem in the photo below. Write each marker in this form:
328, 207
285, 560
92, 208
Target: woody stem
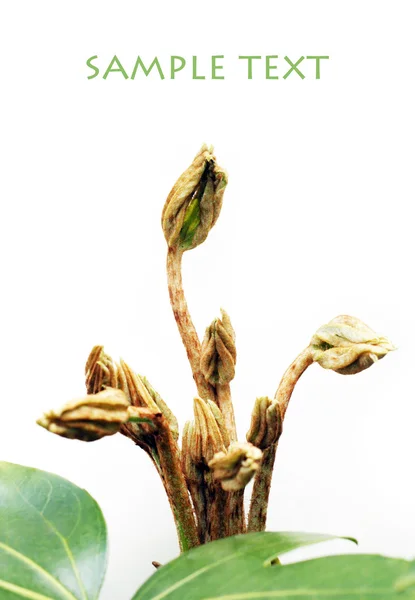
262, 484
184, 322
175, 486
235, 514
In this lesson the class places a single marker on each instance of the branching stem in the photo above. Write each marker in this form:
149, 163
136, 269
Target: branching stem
262, 484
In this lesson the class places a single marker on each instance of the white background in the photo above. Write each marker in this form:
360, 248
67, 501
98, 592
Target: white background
317, 221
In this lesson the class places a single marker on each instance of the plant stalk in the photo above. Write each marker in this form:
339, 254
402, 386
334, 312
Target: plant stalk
198, 493
235, 513
175, 485
224, 401
216, 510
184, 322
262, 484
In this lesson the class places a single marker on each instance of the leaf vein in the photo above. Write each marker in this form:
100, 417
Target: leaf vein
38, 568
62, 540
24, 593
48, 498
192, 576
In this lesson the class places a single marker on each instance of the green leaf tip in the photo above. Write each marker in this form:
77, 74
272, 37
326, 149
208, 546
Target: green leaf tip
191, 223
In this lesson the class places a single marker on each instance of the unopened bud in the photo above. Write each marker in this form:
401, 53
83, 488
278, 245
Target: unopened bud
89, 418
218, 354
134, 388
266, 423
220, 420
236, 467
141, 394
194, 203
208, 438
189, 441
162, 406
348, 346
100, 371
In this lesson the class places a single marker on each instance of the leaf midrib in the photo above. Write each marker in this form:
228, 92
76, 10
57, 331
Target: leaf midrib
36, 567
193, 575
239, 552
23, 592
62, 540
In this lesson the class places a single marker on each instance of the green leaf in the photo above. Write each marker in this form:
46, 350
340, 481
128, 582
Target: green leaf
52, 537
221, 564
406, 581
190, 223
239, 568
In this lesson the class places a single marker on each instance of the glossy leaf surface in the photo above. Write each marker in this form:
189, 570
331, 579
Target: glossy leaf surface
240, 568
52, 537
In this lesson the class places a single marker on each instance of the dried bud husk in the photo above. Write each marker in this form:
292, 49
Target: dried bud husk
163, 408
220, 421
218, 353
134, 388
194, 203
266, 423
347, 346
101, 371
236, 467
141, 394
208, 438
89, 418
194, 473
189, 449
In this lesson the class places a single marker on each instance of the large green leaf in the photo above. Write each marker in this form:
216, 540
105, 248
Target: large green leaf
52, 537
240, 568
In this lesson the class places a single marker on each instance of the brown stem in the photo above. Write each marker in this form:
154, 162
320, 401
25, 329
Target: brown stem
175, 485
262, 484
216, 509
146, 445
224, 402
198, 493
260, 493
235, 514
291, 377
184, 322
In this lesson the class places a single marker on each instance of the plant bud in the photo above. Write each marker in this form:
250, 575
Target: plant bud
218, 353
217, 413
189, 449
135, 388
208, 438
266, 423
236, 467
141, 394
348, 346
89, 418
194, 203
163, 408
100, 371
